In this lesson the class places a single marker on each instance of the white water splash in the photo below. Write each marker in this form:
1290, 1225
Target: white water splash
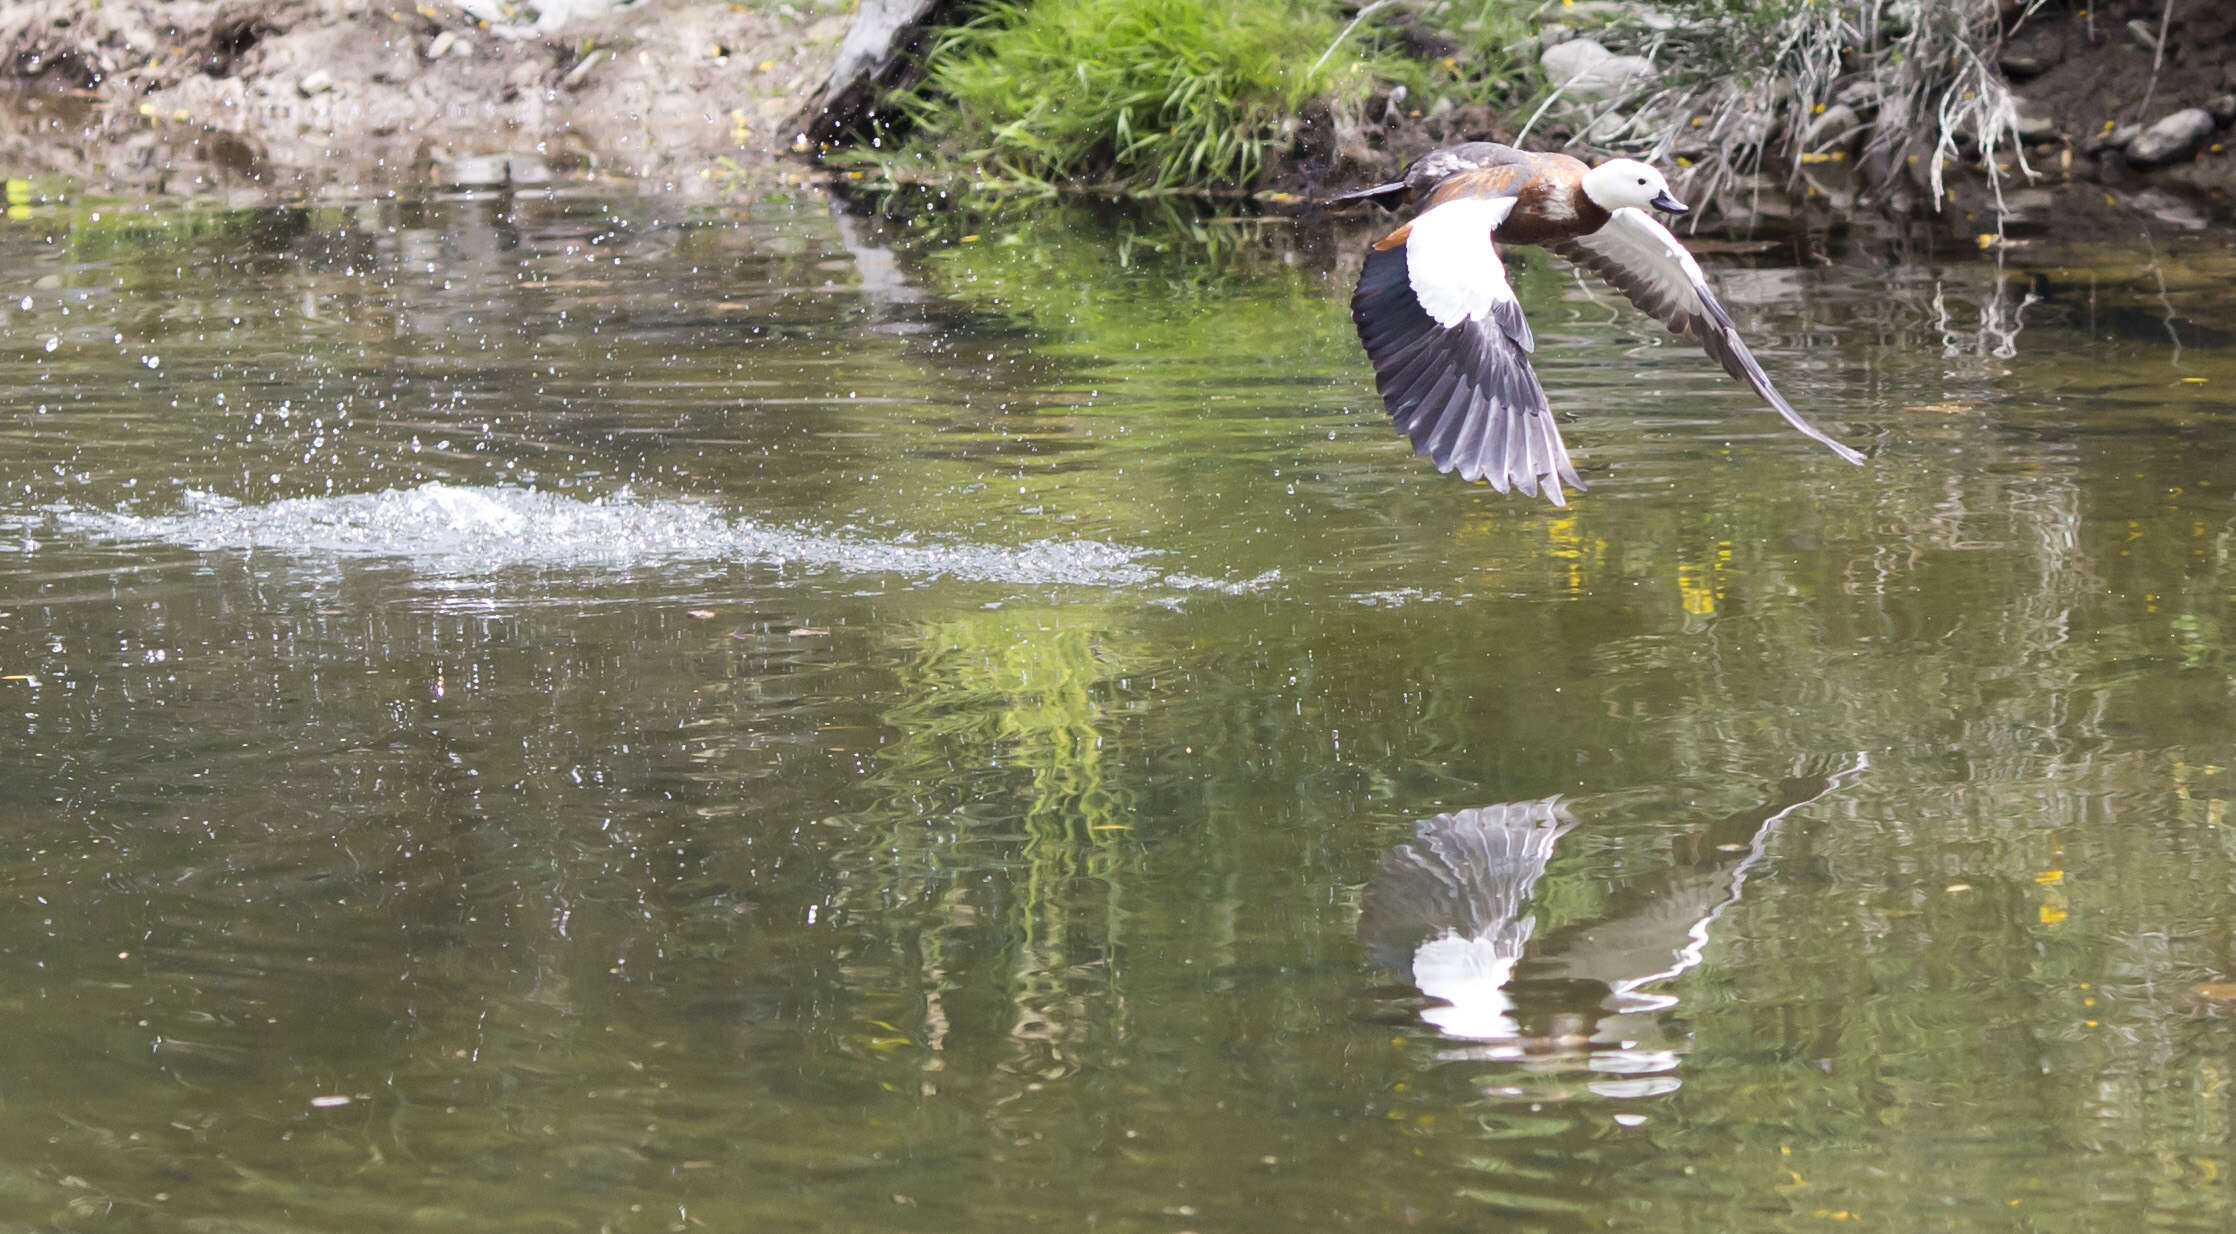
457, 531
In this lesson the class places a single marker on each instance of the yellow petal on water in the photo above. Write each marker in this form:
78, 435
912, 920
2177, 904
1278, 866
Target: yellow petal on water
1957, 888
2050, 877
2052, 914
2217, 991
2194, 381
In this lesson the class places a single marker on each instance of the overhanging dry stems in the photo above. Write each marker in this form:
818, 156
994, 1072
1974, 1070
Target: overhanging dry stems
1918, 72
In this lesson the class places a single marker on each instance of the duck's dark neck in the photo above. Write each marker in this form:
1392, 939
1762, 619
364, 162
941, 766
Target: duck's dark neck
1551, 212
1590, 215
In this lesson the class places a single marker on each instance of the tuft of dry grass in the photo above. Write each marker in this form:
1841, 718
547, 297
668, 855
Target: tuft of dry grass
1748, 84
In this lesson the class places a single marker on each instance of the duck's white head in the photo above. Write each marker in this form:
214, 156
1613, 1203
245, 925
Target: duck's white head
1627, 182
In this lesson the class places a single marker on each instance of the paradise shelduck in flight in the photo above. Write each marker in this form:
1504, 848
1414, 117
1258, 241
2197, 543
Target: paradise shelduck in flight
1448, 341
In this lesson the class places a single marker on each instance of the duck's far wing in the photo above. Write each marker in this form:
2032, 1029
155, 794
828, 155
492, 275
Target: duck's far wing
1641, 259
1451, 350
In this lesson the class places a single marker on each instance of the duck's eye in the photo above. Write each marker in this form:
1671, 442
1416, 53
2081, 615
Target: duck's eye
1642, 182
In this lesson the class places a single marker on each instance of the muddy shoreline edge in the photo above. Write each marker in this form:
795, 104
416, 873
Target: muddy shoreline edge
337, 98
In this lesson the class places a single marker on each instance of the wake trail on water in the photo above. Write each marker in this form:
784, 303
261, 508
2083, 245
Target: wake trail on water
451, 530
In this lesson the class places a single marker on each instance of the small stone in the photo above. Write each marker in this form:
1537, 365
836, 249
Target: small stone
1553, 34
2222, 109
2115, 139
1838, 123
2033, 124
478, 171
1860, 93
2169, 208
442, 44
317, 81
1585, 69
527, 169
2175, 137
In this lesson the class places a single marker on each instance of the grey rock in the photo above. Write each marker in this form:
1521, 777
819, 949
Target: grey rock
2168, 208
2176, 137
1585, 69
2223, 109
2117, 139
2034, 124
1553, 34
1838, 123
527, 169
481, 171
476, 171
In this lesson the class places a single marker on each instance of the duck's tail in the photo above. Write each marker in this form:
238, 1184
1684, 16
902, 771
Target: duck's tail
1393, 189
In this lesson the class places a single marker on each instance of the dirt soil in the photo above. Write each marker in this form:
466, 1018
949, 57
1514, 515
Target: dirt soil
703, 97
356, 95
2091, 72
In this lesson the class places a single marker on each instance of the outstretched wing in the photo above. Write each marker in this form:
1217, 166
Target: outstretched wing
1646, 263
1451, 350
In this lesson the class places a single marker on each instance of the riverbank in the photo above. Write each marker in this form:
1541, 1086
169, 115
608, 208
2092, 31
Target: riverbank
343, 96
305, 97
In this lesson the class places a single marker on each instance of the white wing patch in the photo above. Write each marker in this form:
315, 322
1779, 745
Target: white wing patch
1455, 271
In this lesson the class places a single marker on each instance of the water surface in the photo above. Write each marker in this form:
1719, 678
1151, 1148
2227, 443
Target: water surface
567, 712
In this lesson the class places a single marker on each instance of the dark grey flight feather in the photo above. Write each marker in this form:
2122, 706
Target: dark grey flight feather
1465, 394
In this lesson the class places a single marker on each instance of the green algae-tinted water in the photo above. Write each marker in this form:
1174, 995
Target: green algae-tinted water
563, 713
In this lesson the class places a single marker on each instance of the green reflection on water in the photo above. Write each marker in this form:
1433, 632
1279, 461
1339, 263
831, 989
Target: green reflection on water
744, 891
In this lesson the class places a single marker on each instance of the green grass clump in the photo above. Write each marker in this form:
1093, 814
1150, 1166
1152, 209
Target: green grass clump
1131, 93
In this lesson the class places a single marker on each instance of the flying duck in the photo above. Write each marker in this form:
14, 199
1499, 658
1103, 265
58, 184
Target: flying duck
1447, 338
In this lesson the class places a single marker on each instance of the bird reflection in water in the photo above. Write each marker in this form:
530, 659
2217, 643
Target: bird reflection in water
1451, 909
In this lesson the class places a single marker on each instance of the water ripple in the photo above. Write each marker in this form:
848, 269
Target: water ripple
453, 530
